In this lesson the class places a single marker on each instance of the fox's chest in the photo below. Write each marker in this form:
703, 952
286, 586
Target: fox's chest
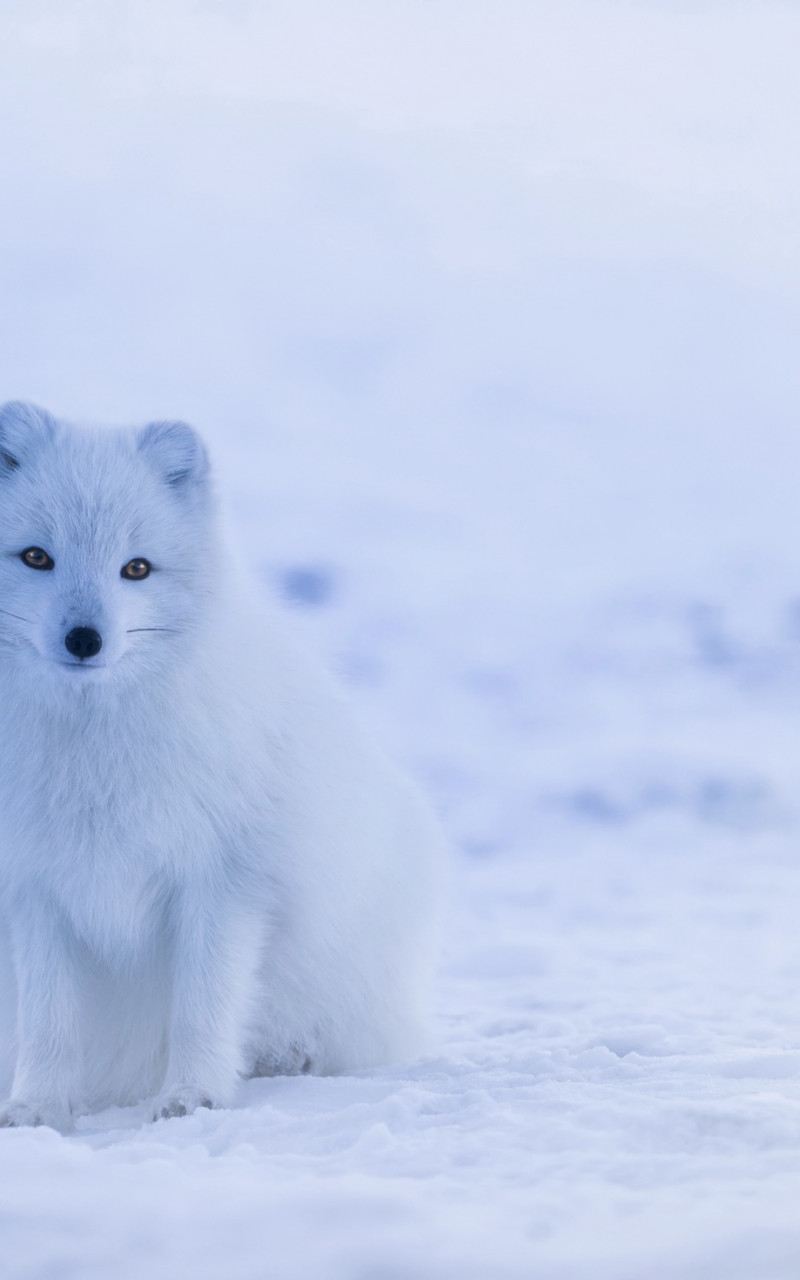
117, 909
130, 798
109, 848
116, 828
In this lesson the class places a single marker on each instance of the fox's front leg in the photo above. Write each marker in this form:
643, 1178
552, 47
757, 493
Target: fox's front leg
216, 953
48, 1058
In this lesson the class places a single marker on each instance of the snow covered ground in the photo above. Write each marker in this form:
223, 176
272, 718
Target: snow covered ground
490, 314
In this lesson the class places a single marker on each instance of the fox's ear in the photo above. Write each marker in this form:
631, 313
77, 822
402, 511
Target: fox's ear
177, 453
23, 428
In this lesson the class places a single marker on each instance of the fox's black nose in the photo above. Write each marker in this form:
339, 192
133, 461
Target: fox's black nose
83, 642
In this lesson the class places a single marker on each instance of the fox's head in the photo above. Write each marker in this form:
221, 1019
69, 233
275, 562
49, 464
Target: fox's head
106, 545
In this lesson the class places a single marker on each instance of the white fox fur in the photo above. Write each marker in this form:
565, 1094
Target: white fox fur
206, 871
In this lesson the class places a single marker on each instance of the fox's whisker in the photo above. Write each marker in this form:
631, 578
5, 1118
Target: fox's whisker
131, 630
18, 616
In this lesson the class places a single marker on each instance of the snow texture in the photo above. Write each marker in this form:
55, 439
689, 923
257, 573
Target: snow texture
490, 315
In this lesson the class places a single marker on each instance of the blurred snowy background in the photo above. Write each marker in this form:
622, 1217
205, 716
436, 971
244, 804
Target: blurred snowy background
490, 312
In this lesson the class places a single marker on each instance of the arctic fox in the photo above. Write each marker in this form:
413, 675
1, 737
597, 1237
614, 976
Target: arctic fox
206, 871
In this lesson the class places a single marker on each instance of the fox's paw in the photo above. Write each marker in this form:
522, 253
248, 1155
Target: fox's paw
17, 1114
294, 1061
180, 1100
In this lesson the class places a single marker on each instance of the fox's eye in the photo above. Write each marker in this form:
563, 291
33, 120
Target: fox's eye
136, 569
35, 558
